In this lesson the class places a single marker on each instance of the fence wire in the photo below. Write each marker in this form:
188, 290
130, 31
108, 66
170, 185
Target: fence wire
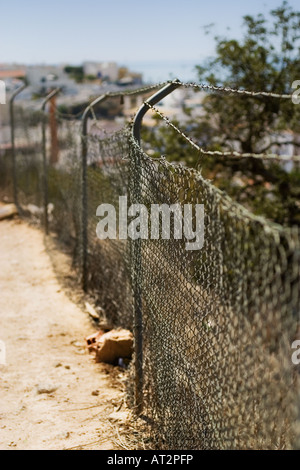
28, 156
217, 153
108, 260
217, 324
64, 173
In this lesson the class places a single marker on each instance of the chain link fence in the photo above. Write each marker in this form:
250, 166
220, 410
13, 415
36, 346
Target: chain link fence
108, 260
27, 171
218, 323
213, 327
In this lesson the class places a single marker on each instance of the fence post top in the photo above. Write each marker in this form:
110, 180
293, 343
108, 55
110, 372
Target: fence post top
158, 96
49, 96
17, 91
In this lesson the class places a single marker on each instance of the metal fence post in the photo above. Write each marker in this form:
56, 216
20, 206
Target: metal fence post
137, 253
12, 135
84, 196
45, 166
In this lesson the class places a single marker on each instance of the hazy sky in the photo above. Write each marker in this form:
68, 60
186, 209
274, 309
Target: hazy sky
35, 31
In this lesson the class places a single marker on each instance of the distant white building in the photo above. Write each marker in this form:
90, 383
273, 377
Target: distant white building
104, 70
47, 76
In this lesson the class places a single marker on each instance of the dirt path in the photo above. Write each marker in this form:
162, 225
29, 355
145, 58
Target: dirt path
44, 332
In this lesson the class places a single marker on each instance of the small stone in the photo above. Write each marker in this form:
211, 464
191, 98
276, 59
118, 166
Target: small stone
7, 211
91, 340
63, 435
46, 388
91, 311
95, 393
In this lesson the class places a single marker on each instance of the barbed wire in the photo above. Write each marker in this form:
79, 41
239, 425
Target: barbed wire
233, 153
138, 91
199, 86
203, 87
113, 94
229, 90
68, 115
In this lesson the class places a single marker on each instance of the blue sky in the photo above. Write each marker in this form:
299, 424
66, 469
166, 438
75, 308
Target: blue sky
59, 31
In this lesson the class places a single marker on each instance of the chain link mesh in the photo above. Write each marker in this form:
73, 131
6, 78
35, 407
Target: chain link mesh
64, 180
217, 323
108, 260
28, 159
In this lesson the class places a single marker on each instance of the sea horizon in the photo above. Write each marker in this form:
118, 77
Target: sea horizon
159, 71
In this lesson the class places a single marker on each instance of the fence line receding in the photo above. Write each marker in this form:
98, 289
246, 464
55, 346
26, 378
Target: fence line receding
213, 327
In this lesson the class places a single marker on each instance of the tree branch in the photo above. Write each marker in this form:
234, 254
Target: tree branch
297, 144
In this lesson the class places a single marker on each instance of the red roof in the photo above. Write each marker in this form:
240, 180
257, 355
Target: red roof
12, 73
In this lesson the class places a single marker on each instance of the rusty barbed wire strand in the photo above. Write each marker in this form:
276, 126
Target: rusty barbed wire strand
233, 153
237, 91
114, 94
